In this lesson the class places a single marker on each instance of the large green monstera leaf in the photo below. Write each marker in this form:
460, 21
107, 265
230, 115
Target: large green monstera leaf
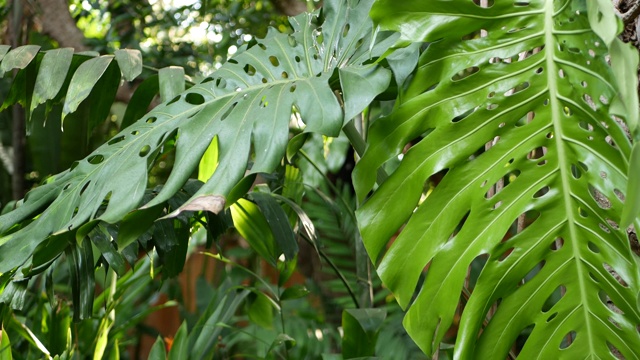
246, 105
515, 166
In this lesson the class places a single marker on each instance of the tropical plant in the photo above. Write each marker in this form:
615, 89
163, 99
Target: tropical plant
494, 141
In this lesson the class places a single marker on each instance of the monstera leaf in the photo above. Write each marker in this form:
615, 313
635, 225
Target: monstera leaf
515, 166
245, 106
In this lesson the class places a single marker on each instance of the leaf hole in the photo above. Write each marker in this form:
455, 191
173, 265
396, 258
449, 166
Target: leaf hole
144, 151
567, 111
135, 132
263, 102
285, 75
492, 106
297, 59
604, 100
542, 163
582, 212
116, 140
533, 272
523, 336
599, 197
551, 317
593, 247
274, 61
554, 298
228, 111
521, 3
74, 165
619, 194
95, 159
604, 228
292, 41
614, 350
557, 244
506, 254
174, 100
463, 74
568, 340
194, 99
585, 126
221, 82
206, 80
84, 187
292, 88
575, 172
610, 141
345, 30
615, 275
464, 115
550, 135
587, 99
474, 34
542, 192
539, 70
264, 81
517, 89
537, 153
66, 187
615, 323
593, 277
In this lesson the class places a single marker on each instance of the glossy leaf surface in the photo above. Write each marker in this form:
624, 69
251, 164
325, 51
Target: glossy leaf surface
510, 108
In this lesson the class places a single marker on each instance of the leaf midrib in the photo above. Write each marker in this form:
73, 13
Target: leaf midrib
565, 177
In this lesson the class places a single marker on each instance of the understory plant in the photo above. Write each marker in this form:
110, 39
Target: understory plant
496, 175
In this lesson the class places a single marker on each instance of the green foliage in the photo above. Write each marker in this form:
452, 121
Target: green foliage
493, 142
512, 103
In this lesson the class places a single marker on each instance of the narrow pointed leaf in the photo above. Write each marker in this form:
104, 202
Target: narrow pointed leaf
18, 58
51, 75
172, 82
83, 81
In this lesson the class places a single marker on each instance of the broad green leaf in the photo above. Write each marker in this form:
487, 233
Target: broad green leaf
253, 227
260, 309
5, 345
22, 87
51, 75
247, 103
632, 207
18, 58
361, 327
172, 82
83, 82
361, 85
511, 104
130, 63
